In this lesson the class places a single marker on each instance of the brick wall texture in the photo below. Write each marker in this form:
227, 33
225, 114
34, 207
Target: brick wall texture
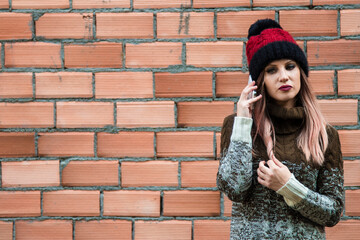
111, 110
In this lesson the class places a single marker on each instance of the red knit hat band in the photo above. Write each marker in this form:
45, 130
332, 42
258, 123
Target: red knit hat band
265, 37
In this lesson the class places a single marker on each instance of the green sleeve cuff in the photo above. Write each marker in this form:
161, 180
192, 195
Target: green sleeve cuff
242, 129
293, 191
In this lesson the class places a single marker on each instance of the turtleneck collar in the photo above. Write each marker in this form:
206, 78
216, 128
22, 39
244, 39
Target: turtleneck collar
286, 120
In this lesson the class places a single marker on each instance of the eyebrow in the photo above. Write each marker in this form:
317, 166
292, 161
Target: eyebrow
270, 65
292, 61
274, 65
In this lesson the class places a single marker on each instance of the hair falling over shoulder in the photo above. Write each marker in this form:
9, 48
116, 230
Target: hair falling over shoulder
313, 139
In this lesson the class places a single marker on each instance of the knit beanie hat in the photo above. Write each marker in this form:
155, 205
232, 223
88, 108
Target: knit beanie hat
267, 41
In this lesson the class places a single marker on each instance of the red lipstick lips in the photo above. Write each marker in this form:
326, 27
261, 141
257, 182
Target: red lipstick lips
285, 87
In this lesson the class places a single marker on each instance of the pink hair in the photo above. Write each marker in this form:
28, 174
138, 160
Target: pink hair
312, 140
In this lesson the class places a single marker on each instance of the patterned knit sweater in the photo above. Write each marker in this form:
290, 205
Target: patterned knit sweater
313, 197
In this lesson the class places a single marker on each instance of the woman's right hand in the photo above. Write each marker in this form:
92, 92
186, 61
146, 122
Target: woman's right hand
244, 104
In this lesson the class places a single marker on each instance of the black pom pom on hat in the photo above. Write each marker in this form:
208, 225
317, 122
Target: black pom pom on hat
260, 25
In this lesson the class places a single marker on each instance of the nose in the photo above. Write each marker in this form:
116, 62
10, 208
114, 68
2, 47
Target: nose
283, 75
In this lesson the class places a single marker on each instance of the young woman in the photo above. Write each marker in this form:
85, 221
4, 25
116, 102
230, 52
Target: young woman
281, 163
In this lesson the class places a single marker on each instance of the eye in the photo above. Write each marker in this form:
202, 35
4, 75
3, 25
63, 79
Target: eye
270, 70
290, 66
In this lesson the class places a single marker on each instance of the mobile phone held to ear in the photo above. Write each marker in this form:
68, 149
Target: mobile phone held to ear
252, 93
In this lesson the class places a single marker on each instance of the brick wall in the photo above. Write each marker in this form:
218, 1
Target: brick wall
110, 111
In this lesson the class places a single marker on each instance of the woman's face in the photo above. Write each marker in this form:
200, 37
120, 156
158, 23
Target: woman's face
282, 82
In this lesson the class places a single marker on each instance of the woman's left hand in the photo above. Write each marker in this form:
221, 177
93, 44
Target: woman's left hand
273, 176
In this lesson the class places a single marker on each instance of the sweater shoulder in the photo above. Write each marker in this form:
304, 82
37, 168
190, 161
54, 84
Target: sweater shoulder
331, 131
229, 120
226, 131
333, 154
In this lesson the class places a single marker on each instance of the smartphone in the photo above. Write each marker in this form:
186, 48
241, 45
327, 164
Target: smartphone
252, 93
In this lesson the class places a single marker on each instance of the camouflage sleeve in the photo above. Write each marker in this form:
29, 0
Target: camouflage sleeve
325, 205
235, 169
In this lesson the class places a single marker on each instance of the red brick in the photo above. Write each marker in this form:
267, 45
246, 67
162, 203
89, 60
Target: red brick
39, 4
352, 206
66, 144
351, 172
84, 114
63, 85
32, 54
301, 44
236, 24
340, 111
16, 85
4, 4
220, 4
81, 4
30, 174
124, 25
91, 173
187, 84
103, 229
227, 206
301, 22
71, 203
200, 114
350, 24
157, 54
44, 230
15, 26
211, 230
322, 82
191, 203
93, 55
344, 230
230, 84
350, 142
330, 2
126, 144
149, 173
17, 144
270, 3
214, 54
185, 25
145, 114
124, 85
163, 230
6, 230
132, 203
181, 144
218, 141
19, 204
349, 81
56, 25
199, 173
162, 4
27, 115
333, 52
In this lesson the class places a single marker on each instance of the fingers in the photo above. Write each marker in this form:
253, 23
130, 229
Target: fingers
255, 99
249, 88
262, 170
261, 181
252, 83
245, 104
272, 164
272, 177
276, 161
